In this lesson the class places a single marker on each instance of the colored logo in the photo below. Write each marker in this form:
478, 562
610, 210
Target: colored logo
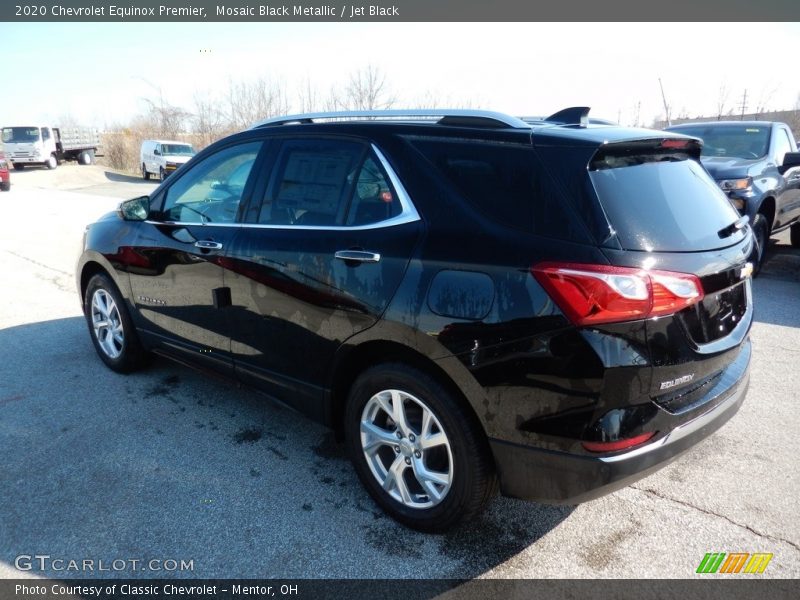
735, 562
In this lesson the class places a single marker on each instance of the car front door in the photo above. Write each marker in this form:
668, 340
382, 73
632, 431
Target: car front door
177, 281
788, 209
315, 262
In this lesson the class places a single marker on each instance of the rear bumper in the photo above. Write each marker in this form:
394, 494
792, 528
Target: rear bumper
562, 478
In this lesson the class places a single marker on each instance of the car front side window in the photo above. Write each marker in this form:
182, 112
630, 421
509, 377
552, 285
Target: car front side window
212, 190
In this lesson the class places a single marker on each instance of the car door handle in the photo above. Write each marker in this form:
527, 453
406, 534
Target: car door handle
358, 256
208, 245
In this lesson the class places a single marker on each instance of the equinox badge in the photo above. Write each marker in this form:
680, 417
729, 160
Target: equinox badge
665, 385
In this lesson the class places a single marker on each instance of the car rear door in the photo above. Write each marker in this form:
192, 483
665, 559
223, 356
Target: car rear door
177, 280
317, 260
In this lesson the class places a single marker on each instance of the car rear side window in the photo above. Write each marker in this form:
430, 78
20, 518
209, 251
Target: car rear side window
327, 183
506, 182
373, 200
312, 183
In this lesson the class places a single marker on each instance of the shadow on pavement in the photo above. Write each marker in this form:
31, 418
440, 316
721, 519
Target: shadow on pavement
123, 178
172, 464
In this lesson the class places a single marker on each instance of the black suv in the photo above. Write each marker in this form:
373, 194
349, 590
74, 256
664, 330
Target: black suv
469, 299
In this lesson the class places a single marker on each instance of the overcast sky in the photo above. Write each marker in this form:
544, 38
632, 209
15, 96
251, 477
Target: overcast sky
101, 73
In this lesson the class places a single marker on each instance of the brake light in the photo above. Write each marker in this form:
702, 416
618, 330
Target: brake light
675, 144
592, 294
618, 444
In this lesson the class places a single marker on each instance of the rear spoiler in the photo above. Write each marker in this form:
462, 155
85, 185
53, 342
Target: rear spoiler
667, 148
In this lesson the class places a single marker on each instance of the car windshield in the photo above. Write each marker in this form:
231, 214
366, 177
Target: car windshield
177, 149
20, 134
732, 141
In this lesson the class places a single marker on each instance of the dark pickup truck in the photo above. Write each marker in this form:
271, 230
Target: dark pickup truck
756, 163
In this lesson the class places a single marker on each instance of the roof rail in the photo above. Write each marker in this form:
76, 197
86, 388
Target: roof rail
463, 117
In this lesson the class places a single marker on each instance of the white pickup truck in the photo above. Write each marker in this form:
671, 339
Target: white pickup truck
48, 146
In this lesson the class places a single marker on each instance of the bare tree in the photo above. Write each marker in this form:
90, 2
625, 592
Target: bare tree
764, 97
433, 100
249, 102
722, 99
67, 120
208, 120
308, 97
162, 119
169, 120
367, 90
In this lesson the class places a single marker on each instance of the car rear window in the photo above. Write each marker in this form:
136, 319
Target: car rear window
661, 202
506, 182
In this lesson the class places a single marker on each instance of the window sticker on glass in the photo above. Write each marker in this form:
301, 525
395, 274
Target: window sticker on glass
314, 180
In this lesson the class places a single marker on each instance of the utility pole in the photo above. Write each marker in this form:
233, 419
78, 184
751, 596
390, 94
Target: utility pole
666, 106
744, 104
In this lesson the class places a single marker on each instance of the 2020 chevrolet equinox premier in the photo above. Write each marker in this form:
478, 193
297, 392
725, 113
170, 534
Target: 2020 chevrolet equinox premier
470, 299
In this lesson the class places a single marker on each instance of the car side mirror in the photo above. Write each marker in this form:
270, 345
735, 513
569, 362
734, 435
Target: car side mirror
136, 209
157, 152
790, 160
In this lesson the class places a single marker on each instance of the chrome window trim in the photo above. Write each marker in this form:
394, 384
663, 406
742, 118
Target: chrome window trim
408, 213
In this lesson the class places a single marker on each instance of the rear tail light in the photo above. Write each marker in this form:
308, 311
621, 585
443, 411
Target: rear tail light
592, 294
618, 444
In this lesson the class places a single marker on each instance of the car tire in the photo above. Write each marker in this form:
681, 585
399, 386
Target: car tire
51, 162
761, 241
5, 186
794, 235
145, 173
430, 469
161, 174
86, 157
110, 326
18, 166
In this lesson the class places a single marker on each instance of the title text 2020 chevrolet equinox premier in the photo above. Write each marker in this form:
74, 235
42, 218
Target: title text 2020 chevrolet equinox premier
471, 300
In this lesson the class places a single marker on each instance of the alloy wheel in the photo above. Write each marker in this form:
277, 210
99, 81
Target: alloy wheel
406, 448
107, 324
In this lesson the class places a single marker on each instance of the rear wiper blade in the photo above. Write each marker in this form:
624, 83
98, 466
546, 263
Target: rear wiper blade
734, 227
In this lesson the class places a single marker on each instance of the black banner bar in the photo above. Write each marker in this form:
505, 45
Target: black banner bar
64, 11
744, 587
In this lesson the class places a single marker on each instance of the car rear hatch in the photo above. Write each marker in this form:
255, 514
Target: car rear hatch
666, 214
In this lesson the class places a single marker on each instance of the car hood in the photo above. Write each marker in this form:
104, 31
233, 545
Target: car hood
177, 158
726, 167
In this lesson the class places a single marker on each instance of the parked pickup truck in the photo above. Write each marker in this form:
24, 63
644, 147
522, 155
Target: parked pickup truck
756, 163
48, 146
